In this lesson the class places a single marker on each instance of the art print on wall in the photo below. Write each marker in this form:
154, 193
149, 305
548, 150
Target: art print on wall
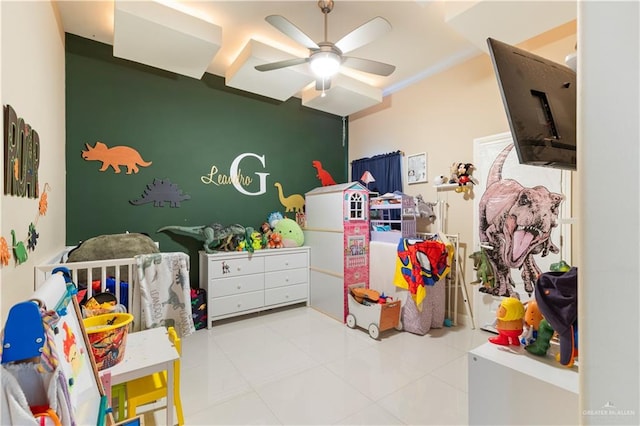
417, 168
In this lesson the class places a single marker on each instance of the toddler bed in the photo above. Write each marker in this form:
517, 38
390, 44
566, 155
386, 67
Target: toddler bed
153, 286
98, 276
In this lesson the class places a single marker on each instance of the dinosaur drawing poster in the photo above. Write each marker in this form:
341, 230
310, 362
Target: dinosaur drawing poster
518, 213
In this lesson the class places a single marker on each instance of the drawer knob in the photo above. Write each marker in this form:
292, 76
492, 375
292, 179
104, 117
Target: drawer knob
239, 286
239, 304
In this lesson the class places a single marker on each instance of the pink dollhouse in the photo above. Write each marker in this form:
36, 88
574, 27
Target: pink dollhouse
337, 230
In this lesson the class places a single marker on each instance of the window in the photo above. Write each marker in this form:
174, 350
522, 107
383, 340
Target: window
356, 206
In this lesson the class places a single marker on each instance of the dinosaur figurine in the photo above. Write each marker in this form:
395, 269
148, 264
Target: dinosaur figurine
292, 203
323, 175
215, 236
484, 271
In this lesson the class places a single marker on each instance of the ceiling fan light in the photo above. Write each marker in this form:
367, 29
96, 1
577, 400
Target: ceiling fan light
325, 64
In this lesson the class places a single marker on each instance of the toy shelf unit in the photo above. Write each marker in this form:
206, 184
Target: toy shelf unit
393, 216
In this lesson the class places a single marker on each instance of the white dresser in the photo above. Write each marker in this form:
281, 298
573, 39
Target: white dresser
239, 283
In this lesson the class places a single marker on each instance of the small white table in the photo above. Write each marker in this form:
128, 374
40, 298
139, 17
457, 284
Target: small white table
147, 352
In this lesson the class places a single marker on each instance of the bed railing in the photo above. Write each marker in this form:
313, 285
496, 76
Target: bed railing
97, 273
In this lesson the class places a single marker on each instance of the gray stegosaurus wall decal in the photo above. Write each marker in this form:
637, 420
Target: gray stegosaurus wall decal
161, 191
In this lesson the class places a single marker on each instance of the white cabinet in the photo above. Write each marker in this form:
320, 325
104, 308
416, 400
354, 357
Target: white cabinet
508, 386
239, 283
337, 230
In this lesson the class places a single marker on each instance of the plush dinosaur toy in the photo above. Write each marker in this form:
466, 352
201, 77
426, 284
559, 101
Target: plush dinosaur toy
215, 236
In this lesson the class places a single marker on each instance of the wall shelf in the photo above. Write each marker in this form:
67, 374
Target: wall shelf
450, 186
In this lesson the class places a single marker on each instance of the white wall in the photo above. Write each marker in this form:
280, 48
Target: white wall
33, 83
442, 115
609, 271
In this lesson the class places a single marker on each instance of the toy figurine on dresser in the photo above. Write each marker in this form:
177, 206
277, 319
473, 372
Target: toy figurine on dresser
510, 321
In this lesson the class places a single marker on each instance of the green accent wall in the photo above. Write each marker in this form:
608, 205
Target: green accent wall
184, 127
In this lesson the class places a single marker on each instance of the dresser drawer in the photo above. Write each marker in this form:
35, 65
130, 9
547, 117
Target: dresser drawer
224, 268
287, 294
285, 277
236, 285
286, 261
236, 303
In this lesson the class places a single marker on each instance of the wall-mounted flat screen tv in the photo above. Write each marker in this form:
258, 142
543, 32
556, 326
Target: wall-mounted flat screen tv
539, 97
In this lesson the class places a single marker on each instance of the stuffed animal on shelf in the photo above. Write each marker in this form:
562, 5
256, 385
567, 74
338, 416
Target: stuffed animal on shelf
461, 174
275, 241
256, 240
509, 322
440, 180
273, 219
292, 235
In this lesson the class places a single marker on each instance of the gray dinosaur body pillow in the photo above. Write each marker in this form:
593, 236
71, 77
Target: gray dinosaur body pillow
114, 246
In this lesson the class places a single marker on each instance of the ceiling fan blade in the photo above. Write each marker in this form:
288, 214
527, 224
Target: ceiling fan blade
290, 30
323, 84
364, 34
367, 65
281, 64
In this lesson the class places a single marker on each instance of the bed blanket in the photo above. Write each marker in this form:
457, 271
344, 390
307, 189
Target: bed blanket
165, 291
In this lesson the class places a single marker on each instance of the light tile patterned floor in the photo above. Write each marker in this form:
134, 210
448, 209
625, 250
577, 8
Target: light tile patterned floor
297, 366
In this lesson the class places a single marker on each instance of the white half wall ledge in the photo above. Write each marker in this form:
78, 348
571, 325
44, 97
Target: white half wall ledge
345, 97
153, 34
511, 22
279, 84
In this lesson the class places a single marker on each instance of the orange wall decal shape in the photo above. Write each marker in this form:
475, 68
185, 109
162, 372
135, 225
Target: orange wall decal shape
115, 157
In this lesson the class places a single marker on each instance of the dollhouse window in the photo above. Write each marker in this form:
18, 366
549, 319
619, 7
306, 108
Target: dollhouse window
356, 206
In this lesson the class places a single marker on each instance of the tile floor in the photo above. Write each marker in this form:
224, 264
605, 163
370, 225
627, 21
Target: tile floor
297, 366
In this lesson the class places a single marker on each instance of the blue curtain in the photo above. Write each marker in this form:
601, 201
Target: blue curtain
385, 168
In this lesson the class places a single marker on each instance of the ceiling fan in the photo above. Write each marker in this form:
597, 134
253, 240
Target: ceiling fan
325, 58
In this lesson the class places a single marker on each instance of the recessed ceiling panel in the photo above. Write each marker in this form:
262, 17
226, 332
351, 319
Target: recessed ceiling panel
278, 84
154, 34
346, 96
511, 22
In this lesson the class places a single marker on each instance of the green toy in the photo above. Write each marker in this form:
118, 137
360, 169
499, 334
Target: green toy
19, 250
484, 271
292, 235
215, 236
542, 343
561, 266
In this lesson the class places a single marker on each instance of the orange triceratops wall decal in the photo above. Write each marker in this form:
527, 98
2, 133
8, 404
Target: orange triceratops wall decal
115, 157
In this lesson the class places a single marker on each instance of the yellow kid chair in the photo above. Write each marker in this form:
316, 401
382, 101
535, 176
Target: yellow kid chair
153, 387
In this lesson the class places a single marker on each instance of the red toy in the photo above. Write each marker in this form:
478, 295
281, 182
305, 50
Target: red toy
275, 241
323, 175
510, 321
